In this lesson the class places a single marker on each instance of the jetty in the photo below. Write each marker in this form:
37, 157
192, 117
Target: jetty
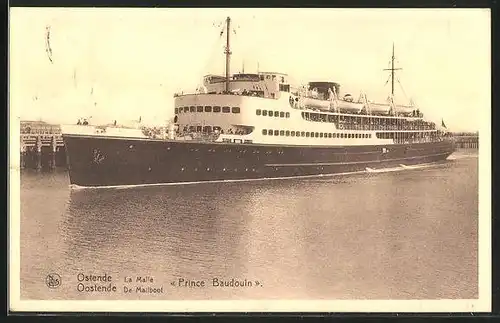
41, 145
466, 140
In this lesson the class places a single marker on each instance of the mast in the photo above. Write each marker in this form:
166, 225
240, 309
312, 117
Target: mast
228, 51
392, 69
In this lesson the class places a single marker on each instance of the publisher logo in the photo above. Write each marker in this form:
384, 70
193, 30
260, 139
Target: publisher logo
53, 280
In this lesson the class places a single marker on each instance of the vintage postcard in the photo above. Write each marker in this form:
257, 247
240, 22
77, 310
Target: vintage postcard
240, 160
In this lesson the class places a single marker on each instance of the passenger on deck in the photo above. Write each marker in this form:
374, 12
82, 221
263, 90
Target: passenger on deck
79, 122
85, 122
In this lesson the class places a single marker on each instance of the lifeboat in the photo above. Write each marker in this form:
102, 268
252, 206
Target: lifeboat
385, 109
350, 107
323, 105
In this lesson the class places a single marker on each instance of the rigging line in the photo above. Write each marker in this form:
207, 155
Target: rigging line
388, 78
402, 89
215, 47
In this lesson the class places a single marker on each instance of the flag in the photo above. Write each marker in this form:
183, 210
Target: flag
442, 124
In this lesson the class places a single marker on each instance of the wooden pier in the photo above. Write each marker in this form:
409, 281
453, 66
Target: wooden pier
466, 140
41, 145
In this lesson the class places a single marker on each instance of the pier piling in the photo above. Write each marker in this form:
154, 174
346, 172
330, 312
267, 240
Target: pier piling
38, 153
22, 163
53, 154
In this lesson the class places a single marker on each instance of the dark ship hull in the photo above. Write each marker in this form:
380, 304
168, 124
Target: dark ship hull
96, 161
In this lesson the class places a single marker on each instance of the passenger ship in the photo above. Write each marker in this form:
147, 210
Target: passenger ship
256, 126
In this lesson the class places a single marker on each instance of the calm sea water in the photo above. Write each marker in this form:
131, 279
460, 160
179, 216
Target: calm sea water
408, 234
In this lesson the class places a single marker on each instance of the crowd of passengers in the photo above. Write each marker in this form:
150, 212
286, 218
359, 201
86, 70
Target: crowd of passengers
207, 130
362, 123
407, 138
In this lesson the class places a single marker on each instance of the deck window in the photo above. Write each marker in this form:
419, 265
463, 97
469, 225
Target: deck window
192, 109
282, 132
199, 108
264, 132
282, 114
226, 109
270, 132
302, 134
208, 108
287, 133
264, 113
316, 135
270, 113
258, 112
276, 132
329, 135
207, 129
186, 109
198, 128
235, 110
307, 134
276, 113
287, 115
176, 110
292, 133
217, 109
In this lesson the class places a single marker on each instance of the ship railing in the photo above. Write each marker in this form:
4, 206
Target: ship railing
417, 140
355, 126
197, 136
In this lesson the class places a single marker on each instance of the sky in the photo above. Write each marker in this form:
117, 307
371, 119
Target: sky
122, 64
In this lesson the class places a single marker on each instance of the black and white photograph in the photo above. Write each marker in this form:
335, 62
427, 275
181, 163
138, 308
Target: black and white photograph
249, 160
